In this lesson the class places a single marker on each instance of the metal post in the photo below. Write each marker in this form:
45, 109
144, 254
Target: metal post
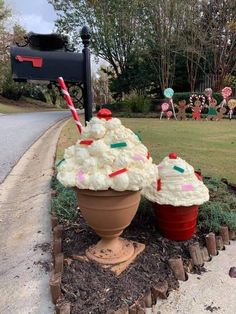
173, 107
85, 36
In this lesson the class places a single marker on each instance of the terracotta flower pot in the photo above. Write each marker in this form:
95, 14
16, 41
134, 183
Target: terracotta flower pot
176, 222
109, 213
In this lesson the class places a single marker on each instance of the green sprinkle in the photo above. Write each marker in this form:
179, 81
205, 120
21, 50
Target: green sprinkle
59, 162
181, 170
138, 136
117, 145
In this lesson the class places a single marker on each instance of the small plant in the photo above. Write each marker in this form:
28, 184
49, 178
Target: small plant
219, 192
64, 204
220, 210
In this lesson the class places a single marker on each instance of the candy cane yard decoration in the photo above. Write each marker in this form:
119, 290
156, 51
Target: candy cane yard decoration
70, 103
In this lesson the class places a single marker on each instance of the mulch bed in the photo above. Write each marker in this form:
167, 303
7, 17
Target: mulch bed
91, 289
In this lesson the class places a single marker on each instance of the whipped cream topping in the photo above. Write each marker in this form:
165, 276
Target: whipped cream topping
112, 148
177, 184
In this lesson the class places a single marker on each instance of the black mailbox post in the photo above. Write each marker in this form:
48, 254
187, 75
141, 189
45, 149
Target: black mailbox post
47, 57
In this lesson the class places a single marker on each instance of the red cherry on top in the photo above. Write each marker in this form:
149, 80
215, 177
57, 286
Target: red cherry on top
104, 114
173, 156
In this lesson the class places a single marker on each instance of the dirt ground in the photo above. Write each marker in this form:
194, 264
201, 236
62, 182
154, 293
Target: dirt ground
91, 289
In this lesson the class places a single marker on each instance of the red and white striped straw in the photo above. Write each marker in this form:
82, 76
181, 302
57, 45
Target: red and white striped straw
70, 103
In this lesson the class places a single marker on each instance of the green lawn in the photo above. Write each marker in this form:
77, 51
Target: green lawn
13, 109
209, 146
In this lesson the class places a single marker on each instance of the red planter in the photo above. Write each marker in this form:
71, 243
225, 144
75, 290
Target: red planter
176, 222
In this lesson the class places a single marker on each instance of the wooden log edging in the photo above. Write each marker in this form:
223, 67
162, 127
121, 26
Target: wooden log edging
224, 232
196, 255
211, 244
205, 254
54, 221
57, 231
59, 263
159, 291
177, 266
55, 287
232, 235
62, 306
219, 243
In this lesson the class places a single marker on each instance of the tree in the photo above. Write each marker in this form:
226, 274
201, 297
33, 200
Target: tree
138, 75
101, 90
136, 37
220, 16
5, 40
8, 88
162, 20
114, 27
193, 41
5, 13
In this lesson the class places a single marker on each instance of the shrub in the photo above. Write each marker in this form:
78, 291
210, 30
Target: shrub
114, 107
137, 102
179, 96
12, 90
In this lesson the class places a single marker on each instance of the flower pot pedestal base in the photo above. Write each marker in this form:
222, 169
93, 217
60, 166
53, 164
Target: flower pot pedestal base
111, 251
117, 269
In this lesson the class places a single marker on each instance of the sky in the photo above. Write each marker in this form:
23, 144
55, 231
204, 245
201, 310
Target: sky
34, 15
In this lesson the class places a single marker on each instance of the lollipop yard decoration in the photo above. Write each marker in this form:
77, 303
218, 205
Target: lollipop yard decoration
226, 93
169, 92
164, 108
231, 105
208, 93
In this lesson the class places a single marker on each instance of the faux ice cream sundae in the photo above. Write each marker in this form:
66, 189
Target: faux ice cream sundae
108, 166
176, 196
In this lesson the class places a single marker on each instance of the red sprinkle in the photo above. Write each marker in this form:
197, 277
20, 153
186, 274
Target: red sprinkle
158, 184
173, 156
148, 155
115, 173
198, 176
86, 142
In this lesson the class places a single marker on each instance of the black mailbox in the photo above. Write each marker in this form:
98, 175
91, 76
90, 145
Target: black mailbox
31, 64
47, 57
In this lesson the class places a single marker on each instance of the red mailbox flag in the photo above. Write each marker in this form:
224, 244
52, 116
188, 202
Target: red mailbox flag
36, 61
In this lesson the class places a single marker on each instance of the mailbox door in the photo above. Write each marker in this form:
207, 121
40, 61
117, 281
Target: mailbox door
30, 64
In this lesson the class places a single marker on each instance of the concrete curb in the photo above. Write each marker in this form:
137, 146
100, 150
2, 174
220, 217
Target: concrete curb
25, 229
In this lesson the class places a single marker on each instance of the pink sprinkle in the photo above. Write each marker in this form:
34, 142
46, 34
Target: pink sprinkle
160, 167
138, 157
80, 176
187, 187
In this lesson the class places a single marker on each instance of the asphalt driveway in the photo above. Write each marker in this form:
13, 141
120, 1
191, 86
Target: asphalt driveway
19, 131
